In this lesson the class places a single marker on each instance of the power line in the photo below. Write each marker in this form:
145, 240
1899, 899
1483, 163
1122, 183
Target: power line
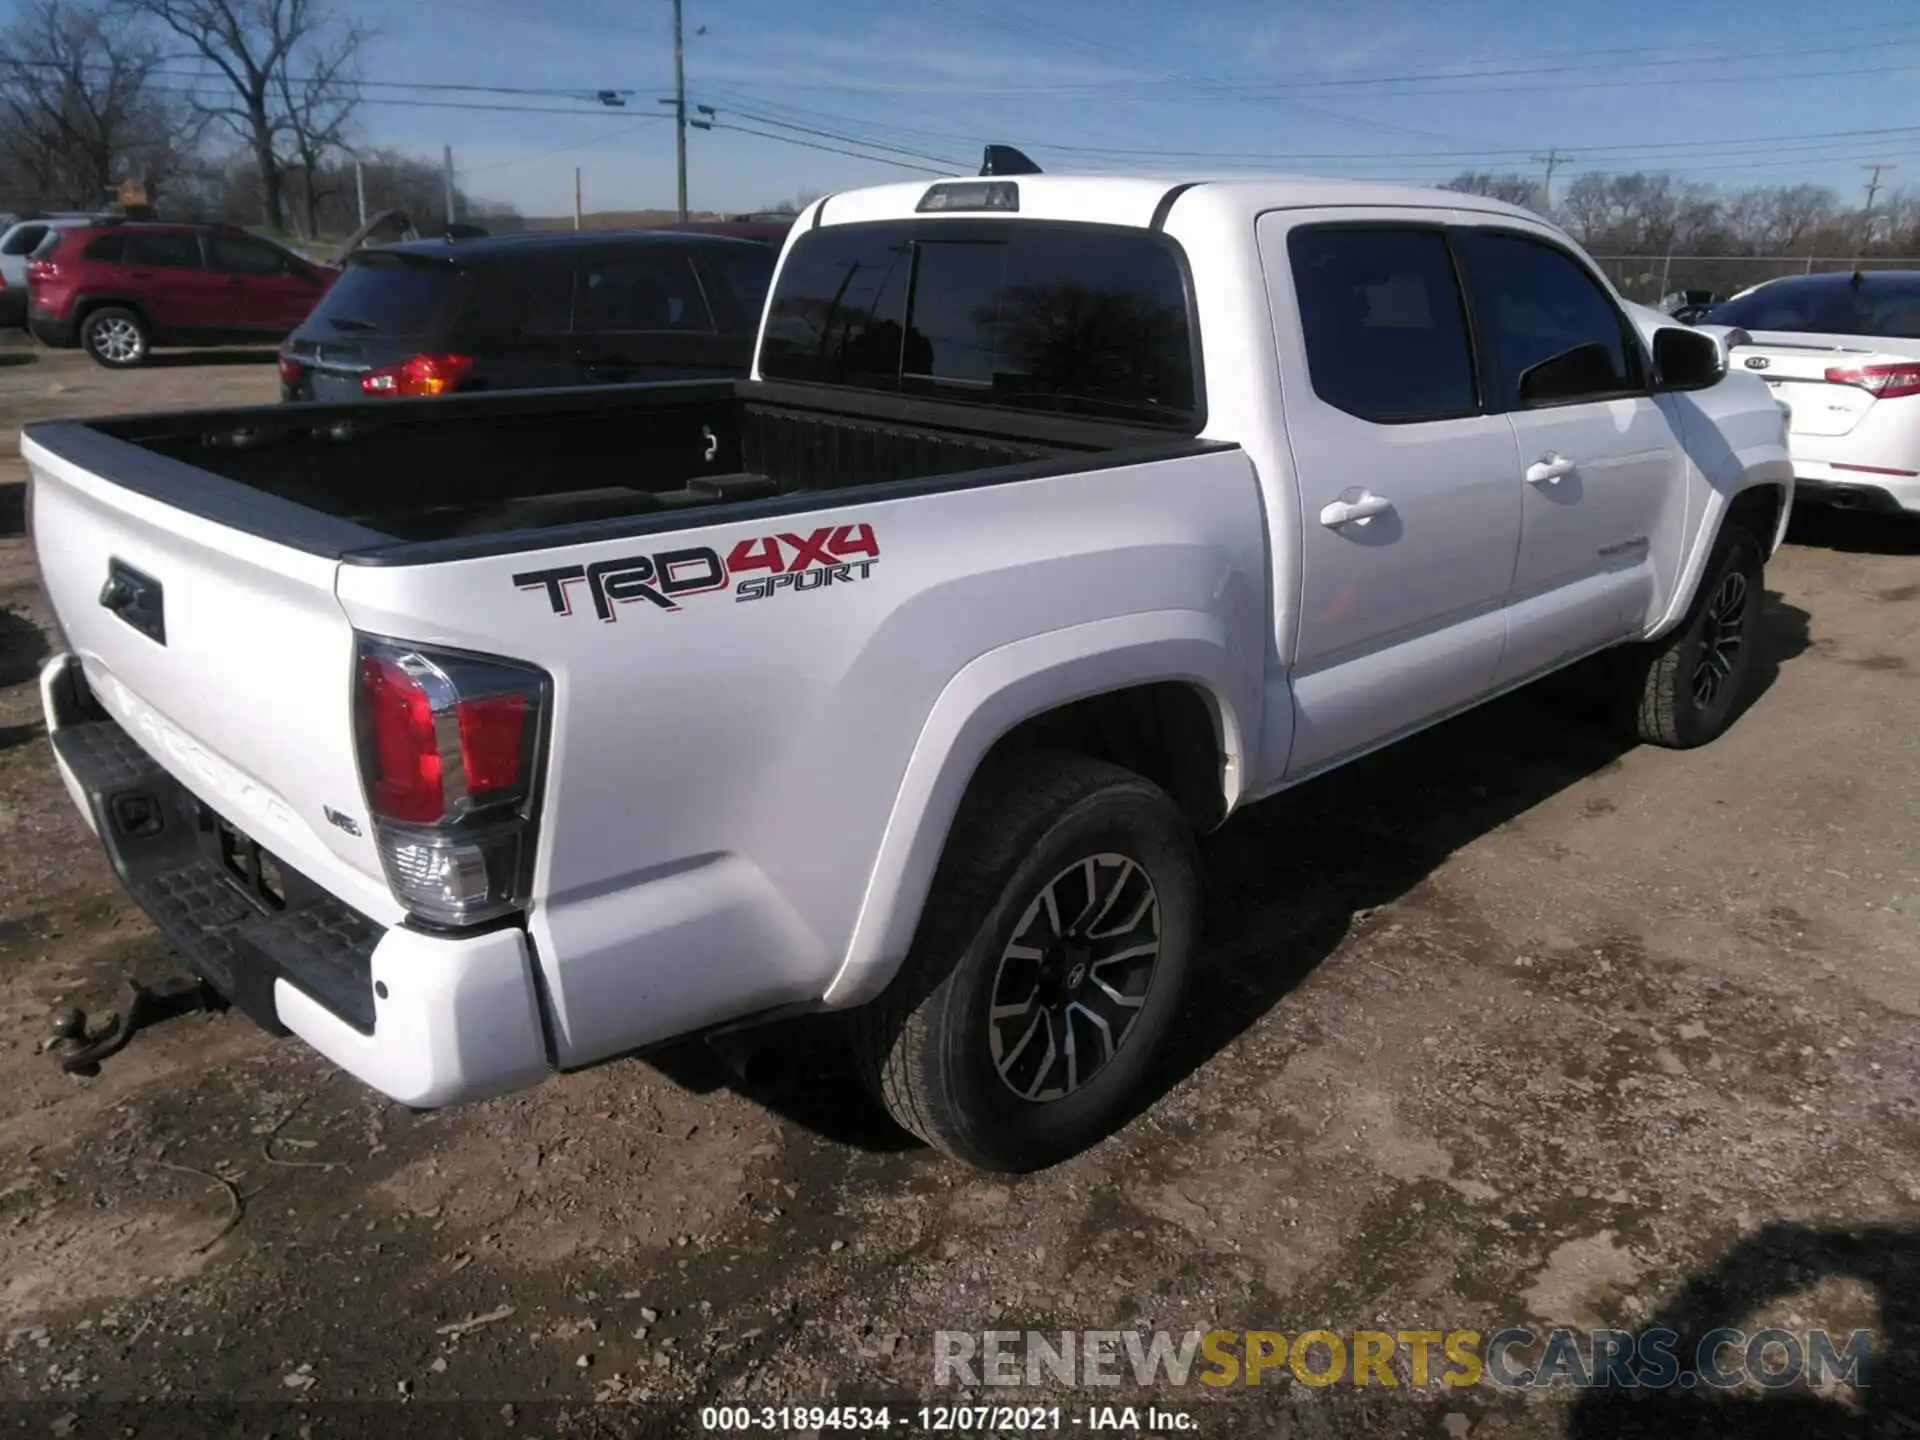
830, 149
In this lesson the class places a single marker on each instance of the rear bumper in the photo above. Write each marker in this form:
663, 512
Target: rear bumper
423, 1018
1815, 483
52, 329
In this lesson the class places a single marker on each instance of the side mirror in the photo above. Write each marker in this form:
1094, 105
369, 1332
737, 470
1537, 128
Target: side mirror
1687, 359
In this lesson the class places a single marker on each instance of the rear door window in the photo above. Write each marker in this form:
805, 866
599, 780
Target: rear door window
239, 255
1383, 322
736, 278
1074, 318
164, 252
636, 292
108, 249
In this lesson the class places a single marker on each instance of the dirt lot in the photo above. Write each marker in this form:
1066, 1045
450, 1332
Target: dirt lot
1510, 1026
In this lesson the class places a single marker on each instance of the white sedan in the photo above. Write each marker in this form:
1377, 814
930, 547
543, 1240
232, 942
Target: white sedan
1842, 351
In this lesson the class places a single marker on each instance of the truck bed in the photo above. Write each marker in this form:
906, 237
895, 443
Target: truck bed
419, 480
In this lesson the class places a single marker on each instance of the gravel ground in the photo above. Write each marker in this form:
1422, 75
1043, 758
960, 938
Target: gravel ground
1511, 1025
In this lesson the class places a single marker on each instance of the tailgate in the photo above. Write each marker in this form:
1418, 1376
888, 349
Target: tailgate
1795, 368
225, 655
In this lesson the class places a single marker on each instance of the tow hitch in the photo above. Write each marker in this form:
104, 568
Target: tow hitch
79, 1053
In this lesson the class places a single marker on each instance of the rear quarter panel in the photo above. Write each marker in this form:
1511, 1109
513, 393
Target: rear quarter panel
723, 778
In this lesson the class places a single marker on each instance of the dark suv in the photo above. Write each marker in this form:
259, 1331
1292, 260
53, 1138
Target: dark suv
517, 312
119, 288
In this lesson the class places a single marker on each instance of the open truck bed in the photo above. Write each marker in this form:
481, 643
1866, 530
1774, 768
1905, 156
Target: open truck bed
416, 481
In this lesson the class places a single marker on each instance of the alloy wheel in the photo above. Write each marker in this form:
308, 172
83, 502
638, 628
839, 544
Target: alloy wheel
1074, 978
1720, 640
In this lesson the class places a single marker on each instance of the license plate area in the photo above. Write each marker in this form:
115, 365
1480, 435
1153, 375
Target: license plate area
244, 865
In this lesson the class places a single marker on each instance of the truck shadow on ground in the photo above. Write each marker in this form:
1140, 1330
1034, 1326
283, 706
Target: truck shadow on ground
1854, 532
23, 648
1284, 882
188, 359
1771, 1265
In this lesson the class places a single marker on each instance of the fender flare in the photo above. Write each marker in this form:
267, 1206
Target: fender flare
985, 700
1774, 474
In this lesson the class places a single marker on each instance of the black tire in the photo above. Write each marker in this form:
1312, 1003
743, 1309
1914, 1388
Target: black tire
928, 1046
1666, 679
116, 337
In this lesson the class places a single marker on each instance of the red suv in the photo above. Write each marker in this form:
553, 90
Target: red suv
118, 289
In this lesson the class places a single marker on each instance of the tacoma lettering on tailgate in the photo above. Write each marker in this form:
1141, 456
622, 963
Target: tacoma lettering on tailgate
758, 568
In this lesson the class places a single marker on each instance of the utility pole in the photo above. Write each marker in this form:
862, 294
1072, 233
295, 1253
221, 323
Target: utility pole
576, 197
1551, 161
360, 188
446, 178
680, 108
1873, 189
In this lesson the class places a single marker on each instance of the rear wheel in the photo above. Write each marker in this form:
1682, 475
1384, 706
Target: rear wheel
1686, 688
115, 337
1049, 967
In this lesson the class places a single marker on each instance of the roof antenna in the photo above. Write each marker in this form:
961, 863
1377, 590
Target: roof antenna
1005, 160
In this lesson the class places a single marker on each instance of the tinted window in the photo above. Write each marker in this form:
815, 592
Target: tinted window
389, 299
240, 256
737, 278
174, 252
1895, 316
1039, 316
22, 240
519, 297
1381, 315
108, 248
639, 292
1554, 335
1824, 306
49, 243
838, 313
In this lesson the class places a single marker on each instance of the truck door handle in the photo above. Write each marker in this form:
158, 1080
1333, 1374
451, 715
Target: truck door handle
1359, 511
1549, 469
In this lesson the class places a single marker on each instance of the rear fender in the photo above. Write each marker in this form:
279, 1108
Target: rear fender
987, 699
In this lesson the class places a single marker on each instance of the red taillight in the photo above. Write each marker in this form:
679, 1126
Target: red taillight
289, 368
406, 781
418, 375
1885, 382
448, 759
41, 270
493, 736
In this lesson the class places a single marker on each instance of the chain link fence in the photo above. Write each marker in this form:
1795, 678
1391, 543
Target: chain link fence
1648, 278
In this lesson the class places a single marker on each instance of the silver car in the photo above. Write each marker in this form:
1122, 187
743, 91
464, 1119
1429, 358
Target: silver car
17, 243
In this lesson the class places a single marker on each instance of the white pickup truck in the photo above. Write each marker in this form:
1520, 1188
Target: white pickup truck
475, 738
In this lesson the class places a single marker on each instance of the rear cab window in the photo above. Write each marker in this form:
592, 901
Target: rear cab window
1083, 319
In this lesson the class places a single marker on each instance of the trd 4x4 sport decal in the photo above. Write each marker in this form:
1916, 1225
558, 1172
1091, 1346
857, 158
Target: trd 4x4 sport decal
831, 555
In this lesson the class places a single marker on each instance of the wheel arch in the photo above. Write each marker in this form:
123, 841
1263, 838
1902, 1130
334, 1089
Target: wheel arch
1164, 690
87, 305
1760, 499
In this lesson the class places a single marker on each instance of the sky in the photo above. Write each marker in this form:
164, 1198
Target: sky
1731, 92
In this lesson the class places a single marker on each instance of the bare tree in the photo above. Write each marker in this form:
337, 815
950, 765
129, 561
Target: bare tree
280, 69
1514, 189
80, 108
318, 105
